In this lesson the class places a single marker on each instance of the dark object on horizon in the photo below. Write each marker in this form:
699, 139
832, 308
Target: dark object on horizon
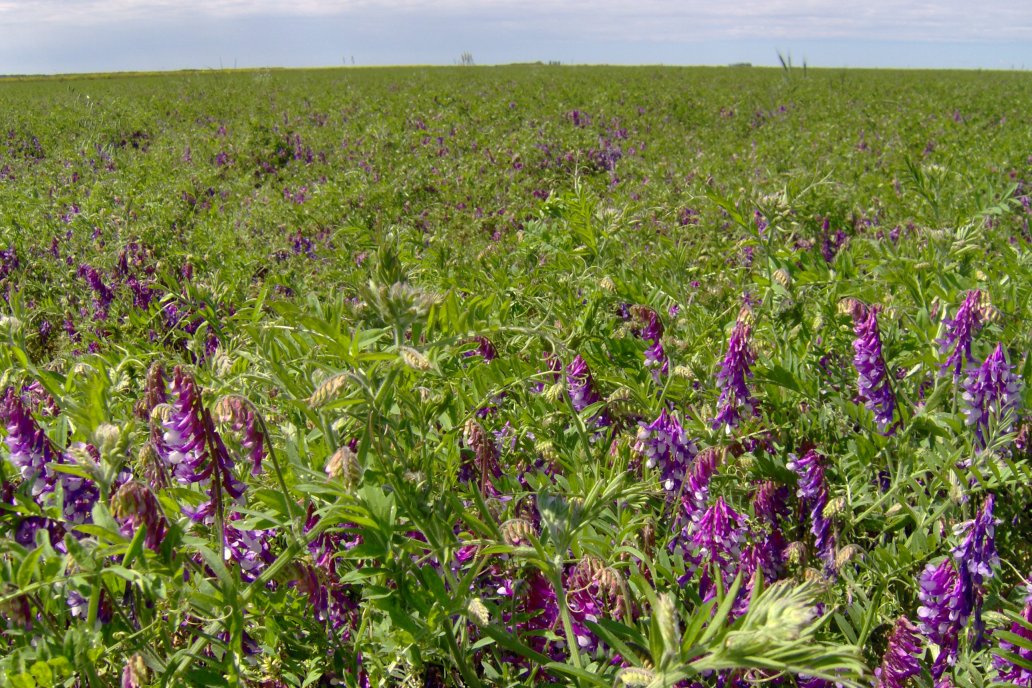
740, 64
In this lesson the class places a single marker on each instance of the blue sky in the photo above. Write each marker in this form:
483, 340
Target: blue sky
50, 36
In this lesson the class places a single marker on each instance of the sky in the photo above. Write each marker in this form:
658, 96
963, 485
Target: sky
69, 36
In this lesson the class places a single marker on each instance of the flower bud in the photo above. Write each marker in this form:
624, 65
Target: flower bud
343, 465
478, 612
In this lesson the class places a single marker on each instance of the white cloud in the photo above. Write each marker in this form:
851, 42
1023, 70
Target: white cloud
642, 20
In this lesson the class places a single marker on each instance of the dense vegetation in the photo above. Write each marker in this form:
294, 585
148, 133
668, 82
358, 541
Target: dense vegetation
521, 375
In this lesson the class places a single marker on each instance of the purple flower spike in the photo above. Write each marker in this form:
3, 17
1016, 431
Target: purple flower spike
188, 450
991, 389
940, 618
184, 436
485, 349
873, 380
581, 385
582, 390
652, 331
696, 489
134, 505
959, 333
1009, 670
248, 548
31, 451
735, 398
718, 540
813, 494
666, 446
976, 557
900, 660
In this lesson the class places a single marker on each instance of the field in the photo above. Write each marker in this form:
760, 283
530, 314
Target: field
505, 376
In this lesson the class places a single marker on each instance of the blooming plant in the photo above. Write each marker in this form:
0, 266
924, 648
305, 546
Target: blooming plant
524, 376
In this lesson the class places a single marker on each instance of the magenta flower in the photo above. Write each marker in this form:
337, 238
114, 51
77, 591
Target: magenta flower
735, 398
134, 505
581, 388
873, 378
813, 495
959, 333
940, 614
976, 558
250, 549
715, 542
30, 450
900, 660
652, 331
991, 390
485, 349
695, 495
666, 446
1004, 659
193, 448
581, 385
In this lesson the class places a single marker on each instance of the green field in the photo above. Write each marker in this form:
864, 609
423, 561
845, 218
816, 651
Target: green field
338, 326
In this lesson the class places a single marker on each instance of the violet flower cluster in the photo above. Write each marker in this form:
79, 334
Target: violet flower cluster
194, 450
813, 495
960, 331
735, 400
665, 445
1009, 670
900, 661
715, 543
581, 387
135, 505
991, 390
250, 549
34, 455
30, 450
976, 558
652, 331
940, 617
873, 377
695, 494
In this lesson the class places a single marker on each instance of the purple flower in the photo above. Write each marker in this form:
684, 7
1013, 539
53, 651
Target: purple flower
8, 261
329, 598
250, 549
873, 380
813, 495
900, 660
666, 446
959, 333
134, 505
79, 494
485, 349
735, 398
940, 617
695, 494
990, 390
241, 418
716, 542
651, 331
770, 507
1004, 658
195, 459
134, 674
581, 385
582, 390
103, 293
30, 450
593, 591
976, 557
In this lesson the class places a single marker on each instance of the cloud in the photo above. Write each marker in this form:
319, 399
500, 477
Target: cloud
642, 20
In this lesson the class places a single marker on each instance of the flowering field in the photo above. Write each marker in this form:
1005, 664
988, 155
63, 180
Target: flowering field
515, 376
